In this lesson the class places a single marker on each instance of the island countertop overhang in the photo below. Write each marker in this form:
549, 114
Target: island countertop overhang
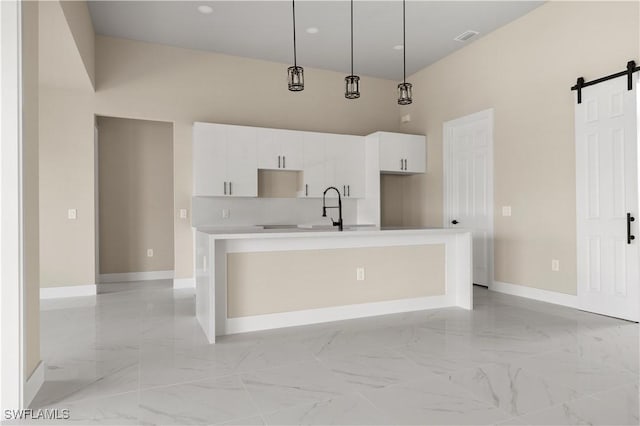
256, 232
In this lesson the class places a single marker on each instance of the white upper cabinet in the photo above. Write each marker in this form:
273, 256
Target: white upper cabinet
345, 165
224, 160
333, 160
401, 153
313, 159
209, 160
279, 149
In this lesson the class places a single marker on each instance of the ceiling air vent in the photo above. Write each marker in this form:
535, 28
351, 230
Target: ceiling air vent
466, 36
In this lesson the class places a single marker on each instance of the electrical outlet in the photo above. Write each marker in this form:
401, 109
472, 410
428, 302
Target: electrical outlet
506, 210
226, 213
405, 118
72, 214
183, 213
555, 265
360, 274
149, 252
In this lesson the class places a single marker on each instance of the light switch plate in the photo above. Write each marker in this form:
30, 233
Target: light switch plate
360, 274
183, 213
149, 252
506, 210
226, 213
405, 118
72, 214
555, 265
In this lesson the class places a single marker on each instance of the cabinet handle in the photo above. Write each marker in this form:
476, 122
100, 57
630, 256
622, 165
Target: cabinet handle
348, 190
629, 236
306, 189
225, 188
401, 164
284, 162
344, 190
230, 189
278, 161
405, 164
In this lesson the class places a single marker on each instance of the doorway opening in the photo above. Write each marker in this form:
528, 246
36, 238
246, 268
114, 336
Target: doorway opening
134, 201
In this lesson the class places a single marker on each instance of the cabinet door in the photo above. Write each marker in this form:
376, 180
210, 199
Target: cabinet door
313, 153
401, 153
268, 149
291, 149
332, 162
242, 169
416, 155
392, 152
209, 159
351, 166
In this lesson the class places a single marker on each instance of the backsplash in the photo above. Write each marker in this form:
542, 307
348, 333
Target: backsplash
207, 211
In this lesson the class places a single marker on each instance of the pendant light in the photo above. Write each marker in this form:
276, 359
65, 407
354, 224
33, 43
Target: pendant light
295, 74
404, 88
352, 82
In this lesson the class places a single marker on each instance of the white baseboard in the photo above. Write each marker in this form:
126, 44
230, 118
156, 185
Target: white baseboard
136, 276
337, 313
67, 291
33, 384
184, 283
536, 294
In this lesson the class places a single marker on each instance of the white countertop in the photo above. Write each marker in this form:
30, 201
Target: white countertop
248, 232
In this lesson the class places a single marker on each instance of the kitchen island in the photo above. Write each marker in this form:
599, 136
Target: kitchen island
256, 279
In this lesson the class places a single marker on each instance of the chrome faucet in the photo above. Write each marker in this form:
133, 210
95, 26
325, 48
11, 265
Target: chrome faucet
339, 207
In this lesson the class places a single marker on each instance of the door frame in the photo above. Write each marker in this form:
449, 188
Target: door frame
12, 361
447, 190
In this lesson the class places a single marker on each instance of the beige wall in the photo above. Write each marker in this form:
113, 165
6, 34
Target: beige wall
60, 62
135, 160
154, 82
284, 281
66, 181
78, 19
66, 151
524, 70
279, 183
30, 184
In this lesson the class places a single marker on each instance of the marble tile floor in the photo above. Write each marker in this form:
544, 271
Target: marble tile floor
135, 355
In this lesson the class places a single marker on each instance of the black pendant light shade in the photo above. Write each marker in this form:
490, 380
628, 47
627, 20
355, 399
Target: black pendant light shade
295, 74
404, 88
352, 87
295, 77
352, 82
404, 93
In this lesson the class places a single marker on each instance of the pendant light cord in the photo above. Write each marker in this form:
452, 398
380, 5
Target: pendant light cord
351, 37
295, 63
404, 46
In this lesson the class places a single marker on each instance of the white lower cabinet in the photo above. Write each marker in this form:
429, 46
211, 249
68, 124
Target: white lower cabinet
224, 161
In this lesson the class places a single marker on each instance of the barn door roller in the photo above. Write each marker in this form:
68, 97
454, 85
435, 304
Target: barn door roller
631, 68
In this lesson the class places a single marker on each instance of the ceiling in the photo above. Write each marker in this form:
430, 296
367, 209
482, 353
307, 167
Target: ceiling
263, 29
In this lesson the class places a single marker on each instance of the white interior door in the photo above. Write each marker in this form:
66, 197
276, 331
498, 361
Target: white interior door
607, 191
468, 179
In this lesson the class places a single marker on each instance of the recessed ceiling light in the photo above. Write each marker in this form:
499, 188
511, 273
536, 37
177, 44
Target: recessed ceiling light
203, 8
398, 47
313, 30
